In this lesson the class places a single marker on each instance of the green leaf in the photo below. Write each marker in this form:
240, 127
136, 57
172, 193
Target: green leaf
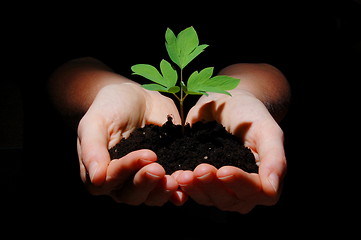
171, 46
149, 72
198, 50
217, 90
160, 88
166, 79
173, 89
197, 93
223, 82
182, 49
183, 87
170, 75
155, 87
197, 80
201, 83
220, 84
187, 41
192, 80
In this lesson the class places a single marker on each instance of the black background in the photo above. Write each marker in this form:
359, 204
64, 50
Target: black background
316, 44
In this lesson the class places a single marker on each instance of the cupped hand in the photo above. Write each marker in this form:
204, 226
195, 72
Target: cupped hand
136, 178
230, 188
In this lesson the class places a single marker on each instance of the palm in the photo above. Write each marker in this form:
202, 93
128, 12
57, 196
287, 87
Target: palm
110, 118
233, 189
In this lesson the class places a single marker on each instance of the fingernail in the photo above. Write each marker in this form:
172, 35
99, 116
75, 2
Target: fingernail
274, 180
226, 177
203, 176
206, 178
153, 175
146, 161
93, 168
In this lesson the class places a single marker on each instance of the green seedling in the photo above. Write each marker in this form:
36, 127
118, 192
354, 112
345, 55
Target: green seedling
182, 49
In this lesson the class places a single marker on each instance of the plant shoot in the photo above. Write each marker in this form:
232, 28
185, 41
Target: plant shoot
182, 49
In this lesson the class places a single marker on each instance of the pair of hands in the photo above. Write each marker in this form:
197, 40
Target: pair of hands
137, 178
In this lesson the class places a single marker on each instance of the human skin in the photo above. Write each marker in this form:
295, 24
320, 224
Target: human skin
245, 115
110, 107
105, 107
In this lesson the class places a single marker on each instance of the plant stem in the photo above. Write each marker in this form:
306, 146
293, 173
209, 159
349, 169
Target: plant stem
181, 112
181, 101
181, 98
181, 108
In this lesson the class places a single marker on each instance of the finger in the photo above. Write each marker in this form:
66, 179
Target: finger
188, 184
193, 115
273, 165
83, 171
244, 185
177, 173
144, 181
161, 107
207, 181
178, 197
202, 111
121, 170
93, 152
162, 193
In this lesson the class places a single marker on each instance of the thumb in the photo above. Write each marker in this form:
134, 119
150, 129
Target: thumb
272, 165
93, 152
201, 112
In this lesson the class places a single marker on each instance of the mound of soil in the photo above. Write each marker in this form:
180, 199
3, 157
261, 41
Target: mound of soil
207, 142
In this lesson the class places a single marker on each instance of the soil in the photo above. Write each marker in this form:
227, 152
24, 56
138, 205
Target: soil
204, 142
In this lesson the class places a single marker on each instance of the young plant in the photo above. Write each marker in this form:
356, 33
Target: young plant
182, 49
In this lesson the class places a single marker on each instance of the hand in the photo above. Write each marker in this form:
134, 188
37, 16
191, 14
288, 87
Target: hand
230, 188
115, 112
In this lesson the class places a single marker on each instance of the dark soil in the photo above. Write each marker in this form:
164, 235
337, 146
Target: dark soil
203, 143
